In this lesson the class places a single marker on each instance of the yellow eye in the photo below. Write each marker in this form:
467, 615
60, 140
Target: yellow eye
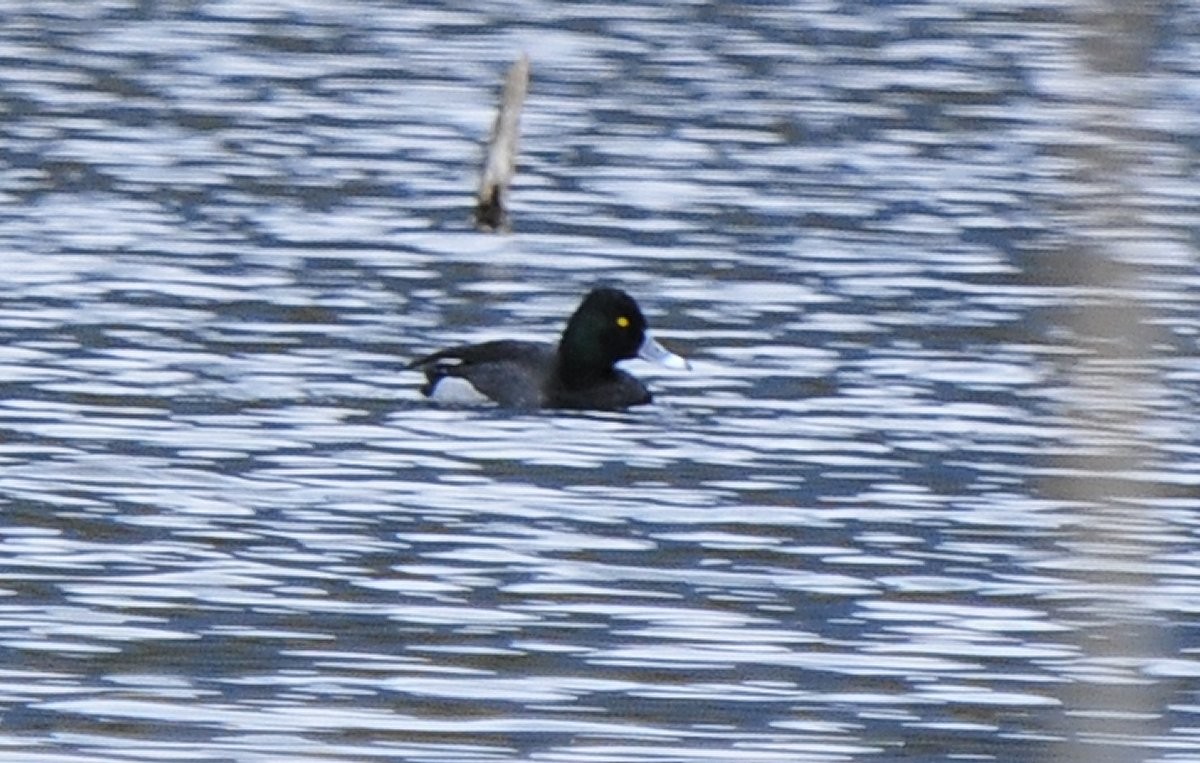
623, 322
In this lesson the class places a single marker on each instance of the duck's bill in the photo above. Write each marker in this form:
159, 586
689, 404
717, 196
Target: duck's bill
654, 352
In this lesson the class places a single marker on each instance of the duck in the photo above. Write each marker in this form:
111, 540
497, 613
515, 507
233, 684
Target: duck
578, 373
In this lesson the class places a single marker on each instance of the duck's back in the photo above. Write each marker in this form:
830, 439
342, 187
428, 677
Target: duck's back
512, 373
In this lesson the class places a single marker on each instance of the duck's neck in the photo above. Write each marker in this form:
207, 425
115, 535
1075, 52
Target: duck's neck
578, 367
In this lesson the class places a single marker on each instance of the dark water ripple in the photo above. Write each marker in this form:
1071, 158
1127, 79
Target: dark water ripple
233, 530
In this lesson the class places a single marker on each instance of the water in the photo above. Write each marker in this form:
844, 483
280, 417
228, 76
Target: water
918, 498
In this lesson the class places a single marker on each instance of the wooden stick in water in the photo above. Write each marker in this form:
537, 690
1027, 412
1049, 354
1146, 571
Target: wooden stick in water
500, 161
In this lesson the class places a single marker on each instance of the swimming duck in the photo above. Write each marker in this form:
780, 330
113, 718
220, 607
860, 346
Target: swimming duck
580, 372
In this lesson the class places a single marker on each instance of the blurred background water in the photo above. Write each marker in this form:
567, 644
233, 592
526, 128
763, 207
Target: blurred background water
929, 492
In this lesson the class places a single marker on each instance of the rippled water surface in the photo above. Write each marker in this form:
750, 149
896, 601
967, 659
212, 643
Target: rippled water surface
924, 494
